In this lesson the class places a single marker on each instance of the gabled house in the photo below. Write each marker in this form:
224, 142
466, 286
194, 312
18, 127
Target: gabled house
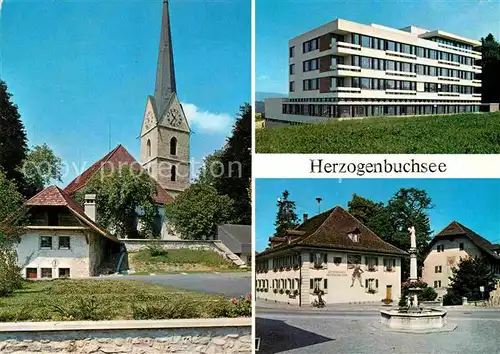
114, 160
445, 250
333, 253
62, 239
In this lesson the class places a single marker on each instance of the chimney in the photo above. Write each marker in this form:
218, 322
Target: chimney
304, 217
89, 206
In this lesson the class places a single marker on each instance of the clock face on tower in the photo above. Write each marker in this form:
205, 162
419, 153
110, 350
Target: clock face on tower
174, 117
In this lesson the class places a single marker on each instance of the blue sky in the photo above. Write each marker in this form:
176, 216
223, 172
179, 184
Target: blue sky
77, 67
277, 21
472, 202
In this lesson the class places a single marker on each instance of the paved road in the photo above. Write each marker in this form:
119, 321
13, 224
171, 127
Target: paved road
349, 331
227, 284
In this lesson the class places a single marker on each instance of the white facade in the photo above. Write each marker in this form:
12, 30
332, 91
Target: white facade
443, 256
280, 276
33, 255
345, 69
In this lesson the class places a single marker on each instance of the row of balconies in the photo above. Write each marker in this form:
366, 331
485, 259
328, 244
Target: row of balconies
344, 48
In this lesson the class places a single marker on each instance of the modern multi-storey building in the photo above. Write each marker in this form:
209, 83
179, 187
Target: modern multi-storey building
345, 69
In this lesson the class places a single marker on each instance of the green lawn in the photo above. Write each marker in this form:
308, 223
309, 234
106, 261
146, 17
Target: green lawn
60, 300
454, 134
180, 260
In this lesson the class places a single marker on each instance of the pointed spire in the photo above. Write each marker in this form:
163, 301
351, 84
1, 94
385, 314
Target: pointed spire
165, 74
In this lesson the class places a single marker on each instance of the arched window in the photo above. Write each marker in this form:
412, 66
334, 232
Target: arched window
173, 174
149, 147
173, 146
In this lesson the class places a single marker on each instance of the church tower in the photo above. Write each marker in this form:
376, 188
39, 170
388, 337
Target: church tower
165, 132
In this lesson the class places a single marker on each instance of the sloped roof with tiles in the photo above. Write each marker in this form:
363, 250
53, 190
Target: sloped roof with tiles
456, 229
331, 230
118, 157
54, 196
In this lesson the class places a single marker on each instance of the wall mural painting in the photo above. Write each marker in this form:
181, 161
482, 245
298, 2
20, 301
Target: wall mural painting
354, 262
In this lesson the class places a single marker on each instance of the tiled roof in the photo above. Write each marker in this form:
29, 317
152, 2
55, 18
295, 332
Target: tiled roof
54, 196
456, 229
241, 233
331, 228
114, 159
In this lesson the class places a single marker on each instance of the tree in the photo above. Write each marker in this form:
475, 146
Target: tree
467, 278
286, 218
12, 138
236, 161
408, 207
490, 69
198, 211
211, 169
40, 167
124, 196
11, 228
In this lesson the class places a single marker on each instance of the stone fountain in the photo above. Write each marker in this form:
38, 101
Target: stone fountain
415, 318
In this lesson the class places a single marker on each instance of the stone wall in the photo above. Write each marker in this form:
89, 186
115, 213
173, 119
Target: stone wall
135, 245
208, 336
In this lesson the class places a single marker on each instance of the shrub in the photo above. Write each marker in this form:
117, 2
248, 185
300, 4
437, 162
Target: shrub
10, 273
164, 311
82, 310
241, 307
452, 298
428, 294
155, 250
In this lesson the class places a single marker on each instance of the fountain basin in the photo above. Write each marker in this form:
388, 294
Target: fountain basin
429, 319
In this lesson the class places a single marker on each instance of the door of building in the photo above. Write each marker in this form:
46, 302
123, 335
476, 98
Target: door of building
388, 292
31, 273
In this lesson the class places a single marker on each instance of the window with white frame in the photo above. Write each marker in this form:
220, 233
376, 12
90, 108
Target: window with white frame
371, 264
371, 285
318, 260
437, 283
438, 269
64, 242
389, 264
46, 242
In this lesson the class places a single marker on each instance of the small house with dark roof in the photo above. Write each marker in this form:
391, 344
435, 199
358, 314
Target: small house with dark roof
333, 255
63, 239
113, 161
445, 250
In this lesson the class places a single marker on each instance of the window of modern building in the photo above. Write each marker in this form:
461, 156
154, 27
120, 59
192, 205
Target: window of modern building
292, 52
311, 45
292, 86
365, 41
292, 69
355, 38
390, 45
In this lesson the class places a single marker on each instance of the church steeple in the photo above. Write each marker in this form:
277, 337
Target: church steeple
165, 74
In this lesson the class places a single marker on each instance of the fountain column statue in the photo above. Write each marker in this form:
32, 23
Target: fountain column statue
413, 265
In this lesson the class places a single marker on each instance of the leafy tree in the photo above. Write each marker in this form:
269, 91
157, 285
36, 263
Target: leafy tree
123, 197
236, 161
40, 167
11, 228
211, 169
286, 218
198, 211
427, 294
12, 137
408, 207
470, 274
490, 69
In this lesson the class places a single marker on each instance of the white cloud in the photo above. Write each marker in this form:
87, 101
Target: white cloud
207, 121
1, 3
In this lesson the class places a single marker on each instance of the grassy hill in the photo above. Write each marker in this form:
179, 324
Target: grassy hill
453, 134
